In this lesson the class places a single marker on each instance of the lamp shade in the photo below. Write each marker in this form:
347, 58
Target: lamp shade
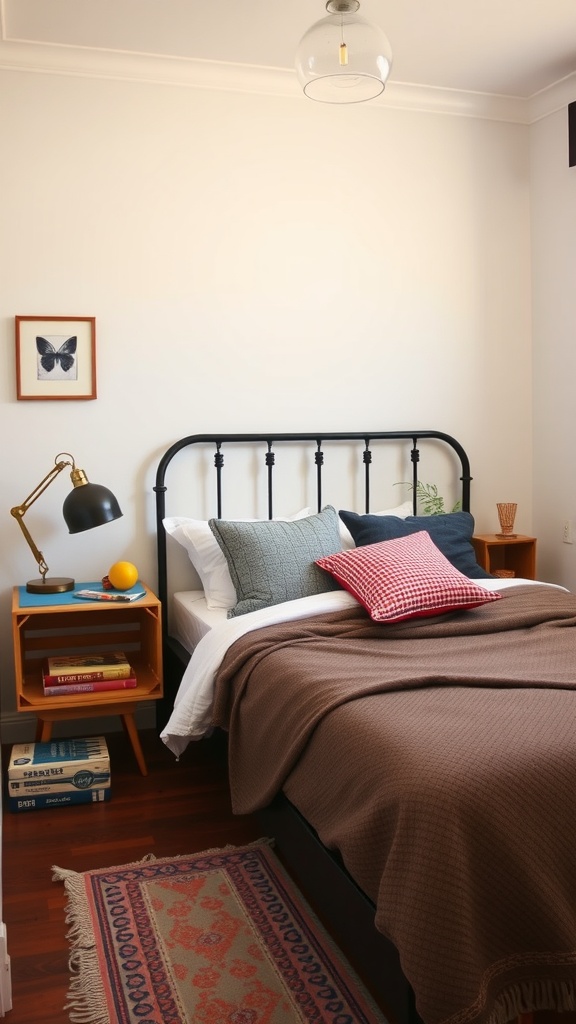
343, 59
89, 505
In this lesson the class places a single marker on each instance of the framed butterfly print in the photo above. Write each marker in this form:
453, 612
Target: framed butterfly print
55, 358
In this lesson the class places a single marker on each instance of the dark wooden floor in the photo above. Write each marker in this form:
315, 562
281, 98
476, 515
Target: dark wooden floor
177, 808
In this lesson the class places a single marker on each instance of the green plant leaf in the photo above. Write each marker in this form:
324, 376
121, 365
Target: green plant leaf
430, 502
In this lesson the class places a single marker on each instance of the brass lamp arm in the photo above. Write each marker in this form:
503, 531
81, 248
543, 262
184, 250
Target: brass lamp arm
19, 511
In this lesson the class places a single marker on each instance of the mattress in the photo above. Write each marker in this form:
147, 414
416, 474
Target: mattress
192, 619
192, 713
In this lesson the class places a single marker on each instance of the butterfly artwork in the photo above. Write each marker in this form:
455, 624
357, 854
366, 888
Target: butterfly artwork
56, 354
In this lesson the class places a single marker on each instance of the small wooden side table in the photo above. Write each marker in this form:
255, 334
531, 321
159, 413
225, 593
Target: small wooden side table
514, 555
62, 624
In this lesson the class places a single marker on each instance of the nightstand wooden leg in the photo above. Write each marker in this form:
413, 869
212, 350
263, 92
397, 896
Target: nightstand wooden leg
132, 732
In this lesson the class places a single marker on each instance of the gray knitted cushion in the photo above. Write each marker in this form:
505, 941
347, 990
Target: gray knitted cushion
272, 561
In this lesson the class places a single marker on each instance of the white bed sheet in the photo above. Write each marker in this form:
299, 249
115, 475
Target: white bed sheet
191, 717
192, 618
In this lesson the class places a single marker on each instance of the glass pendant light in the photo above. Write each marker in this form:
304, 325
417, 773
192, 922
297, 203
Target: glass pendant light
343, 58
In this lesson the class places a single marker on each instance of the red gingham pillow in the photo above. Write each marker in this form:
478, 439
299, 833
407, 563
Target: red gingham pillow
404, 578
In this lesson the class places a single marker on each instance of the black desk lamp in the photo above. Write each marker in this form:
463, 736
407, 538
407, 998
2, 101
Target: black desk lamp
86, 506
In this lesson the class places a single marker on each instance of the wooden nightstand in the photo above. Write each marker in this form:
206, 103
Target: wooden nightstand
516, 555
71, 626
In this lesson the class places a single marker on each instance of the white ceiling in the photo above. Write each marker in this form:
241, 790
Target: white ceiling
511, 48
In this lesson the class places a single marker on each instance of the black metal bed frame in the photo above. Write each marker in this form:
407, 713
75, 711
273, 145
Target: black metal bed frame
334, 894
270, 440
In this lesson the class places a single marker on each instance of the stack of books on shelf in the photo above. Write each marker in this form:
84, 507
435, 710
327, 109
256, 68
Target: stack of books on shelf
87, 673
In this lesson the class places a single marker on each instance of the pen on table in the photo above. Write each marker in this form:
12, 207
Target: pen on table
94, 595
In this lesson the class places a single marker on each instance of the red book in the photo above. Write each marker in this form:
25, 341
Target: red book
97, 686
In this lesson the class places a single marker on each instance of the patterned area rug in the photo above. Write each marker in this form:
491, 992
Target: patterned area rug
220, 937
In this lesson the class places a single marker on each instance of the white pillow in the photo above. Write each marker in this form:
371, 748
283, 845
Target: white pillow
208, 558
401, 512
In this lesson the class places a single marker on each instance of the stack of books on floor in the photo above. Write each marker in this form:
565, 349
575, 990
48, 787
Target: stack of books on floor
58, 773
87, 673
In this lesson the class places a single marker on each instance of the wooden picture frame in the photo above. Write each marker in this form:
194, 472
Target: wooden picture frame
55, 358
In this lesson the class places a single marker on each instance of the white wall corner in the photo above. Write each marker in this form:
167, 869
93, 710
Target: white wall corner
557, 96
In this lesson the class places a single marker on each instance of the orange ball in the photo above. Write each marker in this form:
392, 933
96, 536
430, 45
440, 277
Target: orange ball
123, 575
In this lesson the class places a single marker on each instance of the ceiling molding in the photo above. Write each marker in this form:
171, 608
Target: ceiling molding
431, 100
557, 97
213, 75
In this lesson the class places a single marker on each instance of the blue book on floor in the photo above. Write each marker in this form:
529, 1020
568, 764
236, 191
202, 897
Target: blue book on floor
41, 800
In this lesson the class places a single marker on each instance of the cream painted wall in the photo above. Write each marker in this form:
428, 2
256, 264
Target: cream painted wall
254, 261
553, 186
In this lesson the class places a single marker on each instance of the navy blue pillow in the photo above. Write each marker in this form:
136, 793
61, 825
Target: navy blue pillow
451, 533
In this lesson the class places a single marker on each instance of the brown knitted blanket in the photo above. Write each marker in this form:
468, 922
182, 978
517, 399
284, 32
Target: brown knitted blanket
439, 757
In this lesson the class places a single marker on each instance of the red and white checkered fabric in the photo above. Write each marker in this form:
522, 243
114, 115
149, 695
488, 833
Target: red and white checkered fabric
404, 578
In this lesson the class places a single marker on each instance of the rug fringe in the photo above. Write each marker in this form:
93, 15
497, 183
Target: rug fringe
86, 1001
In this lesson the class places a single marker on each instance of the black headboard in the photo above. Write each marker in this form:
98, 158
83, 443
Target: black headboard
269, 441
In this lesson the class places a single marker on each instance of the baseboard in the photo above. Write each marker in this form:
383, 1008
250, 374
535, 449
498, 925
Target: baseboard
21, 728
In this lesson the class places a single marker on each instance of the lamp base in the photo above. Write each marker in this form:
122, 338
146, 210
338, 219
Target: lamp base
52, 585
